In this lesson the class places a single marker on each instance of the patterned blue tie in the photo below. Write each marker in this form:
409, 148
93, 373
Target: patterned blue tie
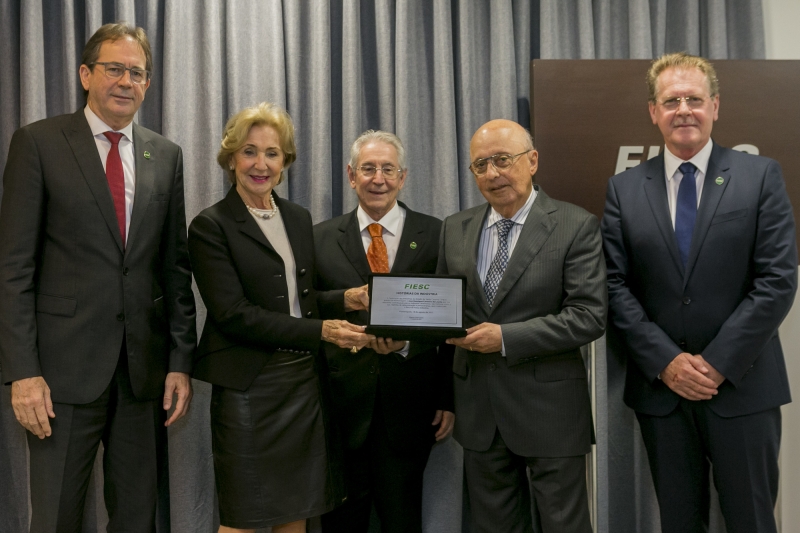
686, 210
500, 260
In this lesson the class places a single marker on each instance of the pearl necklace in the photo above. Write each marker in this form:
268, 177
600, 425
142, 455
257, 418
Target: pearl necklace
266, 214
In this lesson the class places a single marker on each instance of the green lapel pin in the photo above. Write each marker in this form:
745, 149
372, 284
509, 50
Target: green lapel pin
719, 181
413, 245
146, 154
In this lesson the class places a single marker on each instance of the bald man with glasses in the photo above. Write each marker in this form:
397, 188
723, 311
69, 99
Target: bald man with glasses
535, 294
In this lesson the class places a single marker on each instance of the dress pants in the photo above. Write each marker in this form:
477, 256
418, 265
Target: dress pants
499, 491
134, 438
377, 473
743, 450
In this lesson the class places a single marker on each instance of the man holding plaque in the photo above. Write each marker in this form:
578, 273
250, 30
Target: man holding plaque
702, 268
535, 294
393, 399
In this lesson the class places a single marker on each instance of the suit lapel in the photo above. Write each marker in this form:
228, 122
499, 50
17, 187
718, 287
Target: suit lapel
718, 166
247, 224
352, 246
471, 236
655, 189
413, 231
82, 142
145, 179
535, 232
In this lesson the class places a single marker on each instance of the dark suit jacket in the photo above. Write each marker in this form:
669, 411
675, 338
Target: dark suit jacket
68, 289
409, 390
550, 302
727, 304
242, 281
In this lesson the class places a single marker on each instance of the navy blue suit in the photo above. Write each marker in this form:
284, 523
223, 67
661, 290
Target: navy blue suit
726, 304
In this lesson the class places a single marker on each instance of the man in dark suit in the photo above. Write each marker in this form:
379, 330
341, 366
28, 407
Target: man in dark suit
702, 268
97, 316
394, 399
535, 295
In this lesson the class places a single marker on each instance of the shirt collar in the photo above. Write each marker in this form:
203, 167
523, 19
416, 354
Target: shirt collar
99, 127
390, 220
700, 160
519, 217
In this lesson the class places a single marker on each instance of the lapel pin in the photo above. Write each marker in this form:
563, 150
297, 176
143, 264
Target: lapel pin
719, 181
146, 154
413, 245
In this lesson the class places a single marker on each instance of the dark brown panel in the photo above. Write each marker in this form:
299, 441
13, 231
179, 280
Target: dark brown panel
583, 111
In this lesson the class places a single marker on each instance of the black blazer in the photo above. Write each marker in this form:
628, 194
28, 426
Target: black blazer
69, 292
412, 388
242, 281
550, 302
727, 304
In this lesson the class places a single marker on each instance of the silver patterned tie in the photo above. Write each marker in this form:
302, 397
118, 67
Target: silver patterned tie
500, 260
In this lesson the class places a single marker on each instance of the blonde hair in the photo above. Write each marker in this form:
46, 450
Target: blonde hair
238, 128
681, 60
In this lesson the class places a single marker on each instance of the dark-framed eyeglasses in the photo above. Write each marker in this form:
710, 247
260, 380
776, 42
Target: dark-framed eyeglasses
694, 102
115, 71
500, 162
390, 172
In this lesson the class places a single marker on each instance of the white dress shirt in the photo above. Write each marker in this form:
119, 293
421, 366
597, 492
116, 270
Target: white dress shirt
490, 241
392, 224
125, 153
674, 176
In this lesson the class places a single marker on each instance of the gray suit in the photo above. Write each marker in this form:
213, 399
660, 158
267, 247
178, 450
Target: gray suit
550, 301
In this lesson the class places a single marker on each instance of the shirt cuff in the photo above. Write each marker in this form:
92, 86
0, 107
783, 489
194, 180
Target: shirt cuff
404, 350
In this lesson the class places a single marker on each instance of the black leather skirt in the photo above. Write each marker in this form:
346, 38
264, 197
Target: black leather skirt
273, 461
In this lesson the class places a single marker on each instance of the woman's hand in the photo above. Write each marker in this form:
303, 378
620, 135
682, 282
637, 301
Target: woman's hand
344, 334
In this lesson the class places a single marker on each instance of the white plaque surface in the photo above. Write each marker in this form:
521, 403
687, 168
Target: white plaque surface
421, 302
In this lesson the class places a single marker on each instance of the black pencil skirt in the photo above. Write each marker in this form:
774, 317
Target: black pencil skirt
273, 463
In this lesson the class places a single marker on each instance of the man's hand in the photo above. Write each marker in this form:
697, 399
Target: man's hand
713, 373
357, 299
181, 384
483, 338
30, 398
688, 376
384, 346
445, 421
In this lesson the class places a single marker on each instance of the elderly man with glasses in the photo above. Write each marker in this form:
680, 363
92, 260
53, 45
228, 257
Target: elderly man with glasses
393, 400
535, 294
97, 315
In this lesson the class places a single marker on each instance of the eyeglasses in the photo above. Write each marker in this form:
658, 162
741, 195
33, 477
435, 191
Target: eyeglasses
694, 102
115, 71
390, 172
500, 162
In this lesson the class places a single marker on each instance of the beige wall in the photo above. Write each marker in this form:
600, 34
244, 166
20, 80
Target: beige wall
783, 42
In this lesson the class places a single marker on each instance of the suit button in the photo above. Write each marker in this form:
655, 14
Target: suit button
682, 345
372, 370
125, 271
121, 317
302, 271
305, 292
493, 366
686, 300
308, 315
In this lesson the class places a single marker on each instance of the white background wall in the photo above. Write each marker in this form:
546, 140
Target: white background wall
783, 42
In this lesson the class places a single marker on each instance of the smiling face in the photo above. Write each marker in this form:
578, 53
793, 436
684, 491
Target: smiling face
376, 195
506, 190
257, 165
686, 131
115, 101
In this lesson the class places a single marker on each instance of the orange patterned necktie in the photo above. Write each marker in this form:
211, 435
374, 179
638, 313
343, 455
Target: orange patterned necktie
376, 254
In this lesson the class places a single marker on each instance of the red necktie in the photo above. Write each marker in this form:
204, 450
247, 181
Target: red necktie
116, 180
377, 255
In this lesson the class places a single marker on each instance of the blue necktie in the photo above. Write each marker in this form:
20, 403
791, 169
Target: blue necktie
500, 261
686, 210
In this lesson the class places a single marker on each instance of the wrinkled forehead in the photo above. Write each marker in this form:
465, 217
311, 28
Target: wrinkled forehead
490, 141
683, 79
378, 153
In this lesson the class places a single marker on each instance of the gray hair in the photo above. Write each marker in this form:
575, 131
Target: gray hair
377, 136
